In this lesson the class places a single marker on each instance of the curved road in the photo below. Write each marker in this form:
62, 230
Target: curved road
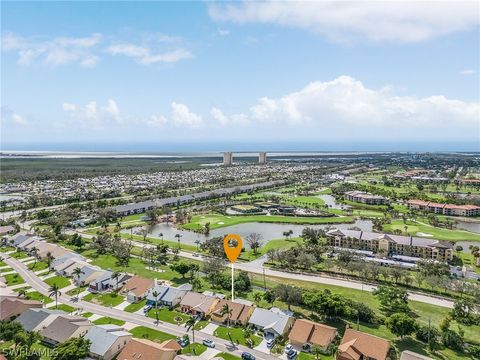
222, 345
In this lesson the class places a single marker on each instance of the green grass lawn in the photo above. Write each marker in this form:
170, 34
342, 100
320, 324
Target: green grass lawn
143, 332
35, 295
169, 316
13, 279
106, 299
135, 306
236, 335
39, 265
2, 263
468, 260
76, 291
86, 314
19, 255
201, 324
272, 244
61, 281
227, 356
108, 320
218, 221
196, 348
66, 308
437, 233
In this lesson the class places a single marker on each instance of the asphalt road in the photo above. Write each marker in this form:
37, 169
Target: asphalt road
36, 283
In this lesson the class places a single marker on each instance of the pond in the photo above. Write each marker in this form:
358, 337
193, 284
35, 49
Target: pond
269, 231
330, 202
466, 245
469, 226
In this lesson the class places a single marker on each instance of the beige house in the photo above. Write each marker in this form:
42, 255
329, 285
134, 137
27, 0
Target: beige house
194, 303
65, 327
142, 349
306, 333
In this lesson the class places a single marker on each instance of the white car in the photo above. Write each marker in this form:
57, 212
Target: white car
288, 348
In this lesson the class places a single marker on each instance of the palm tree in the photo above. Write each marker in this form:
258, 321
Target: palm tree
247, 334
49, 259
76, 273
161, 237
227, 311
155, 294
115, 276
257, 297
55, 291
178, 236
34, 251
190, 324
22, 293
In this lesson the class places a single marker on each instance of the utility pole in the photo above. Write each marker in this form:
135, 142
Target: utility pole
264, 280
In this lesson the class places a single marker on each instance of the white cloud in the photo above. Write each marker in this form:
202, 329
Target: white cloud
93, 114
182, 116
346, 105
402, 21
8, 116
223, 32
144, 55
56, 51
156, 121
468, 72
235, 119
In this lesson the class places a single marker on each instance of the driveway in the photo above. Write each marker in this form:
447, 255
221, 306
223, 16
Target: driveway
210, 328
210, 353
263, 347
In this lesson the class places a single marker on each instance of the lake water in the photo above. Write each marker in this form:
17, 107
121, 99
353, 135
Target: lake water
330, 201
269, 231
469, 226
466, 245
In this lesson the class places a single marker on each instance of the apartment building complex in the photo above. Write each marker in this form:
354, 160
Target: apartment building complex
391, 244
365, 198
444, 209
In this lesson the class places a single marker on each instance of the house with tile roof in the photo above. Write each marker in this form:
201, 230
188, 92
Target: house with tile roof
136, 288
64, 327
143, 349
356, 345
197, 304
240, 313
305, 334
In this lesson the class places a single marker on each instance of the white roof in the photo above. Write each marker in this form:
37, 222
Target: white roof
267, 319
103, 337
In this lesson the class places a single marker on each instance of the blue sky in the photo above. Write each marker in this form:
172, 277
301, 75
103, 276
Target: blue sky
203, 73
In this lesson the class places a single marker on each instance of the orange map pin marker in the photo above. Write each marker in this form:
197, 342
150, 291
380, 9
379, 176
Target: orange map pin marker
232, 244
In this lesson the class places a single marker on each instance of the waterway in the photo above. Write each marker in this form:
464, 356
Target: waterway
269, 231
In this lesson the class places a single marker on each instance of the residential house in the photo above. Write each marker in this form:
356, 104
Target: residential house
197, 304
11, 307
240, 313
107, 341
305, 334
5, 230
17, 240
357, 345
136, 288
168, 295
273, 322
35, 319
64, 327
143, 349
105, 281
89, 273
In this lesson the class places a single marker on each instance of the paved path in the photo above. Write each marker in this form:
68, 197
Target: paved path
222, 345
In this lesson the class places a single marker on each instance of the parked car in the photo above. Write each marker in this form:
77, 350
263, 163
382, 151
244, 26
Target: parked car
183, 342
147, 308
247, 356
288, 348
270, 342
291, 354
208, 343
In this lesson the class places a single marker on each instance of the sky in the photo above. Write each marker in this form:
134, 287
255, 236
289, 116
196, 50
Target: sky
325, 75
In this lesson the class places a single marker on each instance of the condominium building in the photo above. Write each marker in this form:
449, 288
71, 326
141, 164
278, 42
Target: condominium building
365, 198
391, 244
444, 209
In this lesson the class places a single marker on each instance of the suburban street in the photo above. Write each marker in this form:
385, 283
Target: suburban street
36, 283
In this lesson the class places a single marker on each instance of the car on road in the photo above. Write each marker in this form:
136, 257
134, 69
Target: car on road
208, 343
147, 308
247, 356
183, 342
